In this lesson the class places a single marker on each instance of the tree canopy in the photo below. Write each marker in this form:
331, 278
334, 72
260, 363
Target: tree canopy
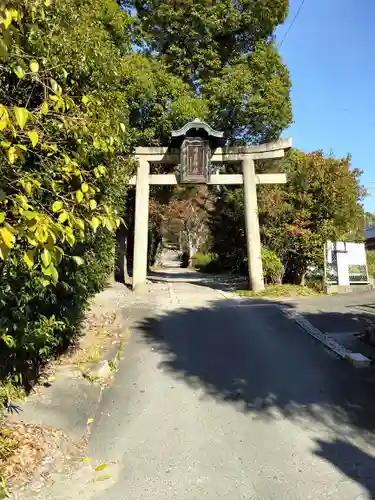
321, 201
198, 38
75, 99
226, 52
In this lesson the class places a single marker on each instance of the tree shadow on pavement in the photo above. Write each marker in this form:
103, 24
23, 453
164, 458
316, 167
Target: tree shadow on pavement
223, 282
254, 357
351, 460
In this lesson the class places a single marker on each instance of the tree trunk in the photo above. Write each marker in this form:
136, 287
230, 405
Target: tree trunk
121, 264
300, 278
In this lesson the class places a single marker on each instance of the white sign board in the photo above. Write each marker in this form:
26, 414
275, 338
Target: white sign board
350, 262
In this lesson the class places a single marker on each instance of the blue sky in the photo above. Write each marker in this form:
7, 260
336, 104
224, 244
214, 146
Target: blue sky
330, 53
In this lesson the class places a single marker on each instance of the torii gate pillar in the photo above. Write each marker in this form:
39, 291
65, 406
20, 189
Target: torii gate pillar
193, 160
254, 247
142, 193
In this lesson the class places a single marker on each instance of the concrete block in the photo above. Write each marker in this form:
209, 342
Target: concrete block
358, 360
101, 370
366, 287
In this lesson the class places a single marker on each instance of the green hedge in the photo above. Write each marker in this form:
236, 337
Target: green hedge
202, 260
371, 262
273, 269
53, 53
44, 320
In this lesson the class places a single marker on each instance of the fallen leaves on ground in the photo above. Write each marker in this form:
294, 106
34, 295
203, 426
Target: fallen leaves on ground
281, 291
37, 452
98, 330
24, 446
101, 467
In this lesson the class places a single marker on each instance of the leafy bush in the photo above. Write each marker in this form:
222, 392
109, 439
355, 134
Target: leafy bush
273, 269
371, 262
315, 283
227, 229
202, 260
63, 170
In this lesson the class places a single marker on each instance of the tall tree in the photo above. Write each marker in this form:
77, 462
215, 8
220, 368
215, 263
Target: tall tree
369, 219
320, 202
225, 51
197, 38
187, 213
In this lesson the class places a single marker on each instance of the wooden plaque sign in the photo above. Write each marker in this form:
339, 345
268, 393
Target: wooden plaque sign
195, 154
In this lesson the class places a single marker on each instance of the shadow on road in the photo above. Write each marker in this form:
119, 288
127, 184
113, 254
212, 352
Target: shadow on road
224, 282
258, 359
253, 357
351, 460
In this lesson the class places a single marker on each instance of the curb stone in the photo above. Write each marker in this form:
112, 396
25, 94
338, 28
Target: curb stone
355, 358
230, 295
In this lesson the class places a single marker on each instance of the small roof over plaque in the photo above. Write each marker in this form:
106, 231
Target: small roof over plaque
197, 124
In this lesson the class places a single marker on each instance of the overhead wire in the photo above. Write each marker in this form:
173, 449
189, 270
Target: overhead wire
292, 23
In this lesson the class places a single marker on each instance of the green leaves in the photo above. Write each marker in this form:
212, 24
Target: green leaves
51, 271
57, 207
92, 204
95, 223
44, 108
70, 238
46, 258
48, 187
34, 66
22, 116
28, 258
8, 15
10, 342
4, 117
19, 72
34, 137
41, 233
99, 171
63, 216
79, 196
12, 155
54, 85
7, 237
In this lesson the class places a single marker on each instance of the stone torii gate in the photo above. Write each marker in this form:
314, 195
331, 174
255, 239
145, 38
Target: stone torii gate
193, 149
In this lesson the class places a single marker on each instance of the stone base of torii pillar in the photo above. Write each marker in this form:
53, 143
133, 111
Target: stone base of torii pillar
249, 179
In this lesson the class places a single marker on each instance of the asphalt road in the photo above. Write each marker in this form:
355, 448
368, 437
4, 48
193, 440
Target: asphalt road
216, 400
